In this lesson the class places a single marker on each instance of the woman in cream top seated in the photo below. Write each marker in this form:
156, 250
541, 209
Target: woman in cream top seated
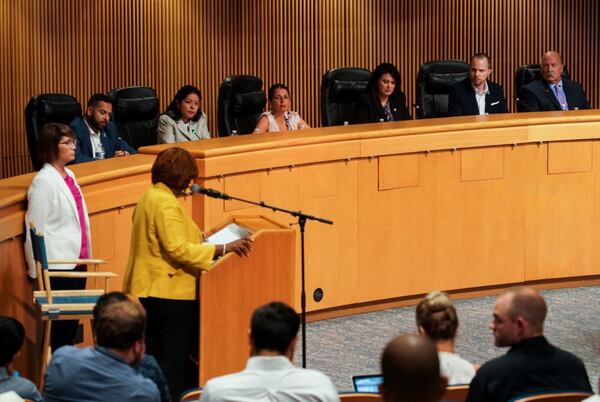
183, 120
437, 320
279, 118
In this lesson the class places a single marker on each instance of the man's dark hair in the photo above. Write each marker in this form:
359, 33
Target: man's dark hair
411, 370
12, 335
273, 327
118, 323
105, 300
97, 98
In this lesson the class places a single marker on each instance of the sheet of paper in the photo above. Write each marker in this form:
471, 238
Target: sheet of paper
229, 233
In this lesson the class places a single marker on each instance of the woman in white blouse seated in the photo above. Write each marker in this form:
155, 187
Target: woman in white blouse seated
279, 118
183, 120
437, 320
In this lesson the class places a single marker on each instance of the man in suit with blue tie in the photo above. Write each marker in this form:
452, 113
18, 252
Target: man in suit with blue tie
97, 136
476, 94
552, 91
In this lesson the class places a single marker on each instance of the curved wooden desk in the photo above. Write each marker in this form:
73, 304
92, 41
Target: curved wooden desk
453, 204
456, 203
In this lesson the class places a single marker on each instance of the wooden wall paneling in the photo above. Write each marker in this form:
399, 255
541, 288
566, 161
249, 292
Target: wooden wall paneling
80, 47
559, 226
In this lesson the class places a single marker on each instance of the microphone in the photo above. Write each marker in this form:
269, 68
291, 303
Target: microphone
196, 189
520, 102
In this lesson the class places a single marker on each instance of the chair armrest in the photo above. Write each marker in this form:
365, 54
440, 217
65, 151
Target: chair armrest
69, 274
77, 261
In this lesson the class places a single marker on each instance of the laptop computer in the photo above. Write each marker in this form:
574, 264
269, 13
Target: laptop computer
367, 383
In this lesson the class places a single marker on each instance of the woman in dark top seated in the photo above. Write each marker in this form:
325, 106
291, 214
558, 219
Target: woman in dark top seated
382, 100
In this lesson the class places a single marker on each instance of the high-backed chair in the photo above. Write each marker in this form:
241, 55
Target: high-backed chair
527, 73
554, 397
135, 112
339, 89
241, 101
47, 108
433, 80
52, 305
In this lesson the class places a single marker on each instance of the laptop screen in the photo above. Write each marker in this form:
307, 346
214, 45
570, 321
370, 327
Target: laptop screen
367, 383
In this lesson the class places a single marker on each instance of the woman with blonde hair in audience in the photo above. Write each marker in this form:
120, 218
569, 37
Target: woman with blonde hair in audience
437, 320
279, 117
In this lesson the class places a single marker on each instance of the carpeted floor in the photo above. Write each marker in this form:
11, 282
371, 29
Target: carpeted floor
347, 346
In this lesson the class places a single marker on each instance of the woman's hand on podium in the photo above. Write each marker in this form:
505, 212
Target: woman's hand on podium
241, 247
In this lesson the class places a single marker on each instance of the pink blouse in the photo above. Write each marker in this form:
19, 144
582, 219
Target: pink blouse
84, 253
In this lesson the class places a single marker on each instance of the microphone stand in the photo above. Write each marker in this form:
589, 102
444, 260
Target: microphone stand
302, 218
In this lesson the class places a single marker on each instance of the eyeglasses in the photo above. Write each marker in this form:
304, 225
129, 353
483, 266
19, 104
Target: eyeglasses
69, 143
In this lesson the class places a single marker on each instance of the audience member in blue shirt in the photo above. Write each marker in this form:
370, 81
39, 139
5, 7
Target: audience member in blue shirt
106, 372
12, 335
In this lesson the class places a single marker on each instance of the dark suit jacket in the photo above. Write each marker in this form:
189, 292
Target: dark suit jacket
109, 137
461, 101
531, 366
538, 96
368, 110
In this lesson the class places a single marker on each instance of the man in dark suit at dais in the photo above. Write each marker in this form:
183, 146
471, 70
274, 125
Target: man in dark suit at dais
476, 94
552, 91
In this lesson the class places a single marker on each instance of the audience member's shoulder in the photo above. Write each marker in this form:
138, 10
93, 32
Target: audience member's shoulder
568, 356
493, 366
66, 351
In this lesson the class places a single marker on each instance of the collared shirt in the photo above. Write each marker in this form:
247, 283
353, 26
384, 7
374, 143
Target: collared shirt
94, 375
270, 378
97, 148
558, 91
480, 97
21, 386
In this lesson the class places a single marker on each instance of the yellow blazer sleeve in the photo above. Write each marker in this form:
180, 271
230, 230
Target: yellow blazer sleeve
180, 238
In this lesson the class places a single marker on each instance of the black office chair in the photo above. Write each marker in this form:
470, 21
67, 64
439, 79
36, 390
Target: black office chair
433, 80
47, 108
135, 112
241, 101
526, 74
339, 89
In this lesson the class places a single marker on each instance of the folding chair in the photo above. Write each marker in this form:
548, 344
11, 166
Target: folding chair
52, 305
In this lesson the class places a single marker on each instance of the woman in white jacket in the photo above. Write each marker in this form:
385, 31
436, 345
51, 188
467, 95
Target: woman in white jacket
57, 210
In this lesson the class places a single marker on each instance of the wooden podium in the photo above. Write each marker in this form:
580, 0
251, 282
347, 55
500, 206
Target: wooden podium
235, 286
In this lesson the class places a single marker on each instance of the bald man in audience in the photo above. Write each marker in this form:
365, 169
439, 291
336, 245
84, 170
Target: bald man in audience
411, 371
532, 365
552, 91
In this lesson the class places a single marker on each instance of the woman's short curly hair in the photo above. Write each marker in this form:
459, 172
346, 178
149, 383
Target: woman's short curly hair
175, 167
437, 316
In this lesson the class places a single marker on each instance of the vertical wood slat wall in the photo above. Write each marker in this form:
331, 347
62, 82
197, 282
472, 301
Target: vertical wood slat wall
84, 46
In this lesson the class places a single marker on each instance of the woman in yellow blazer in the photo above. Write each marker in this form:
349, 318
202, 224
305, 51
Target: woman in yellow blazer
165, 257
